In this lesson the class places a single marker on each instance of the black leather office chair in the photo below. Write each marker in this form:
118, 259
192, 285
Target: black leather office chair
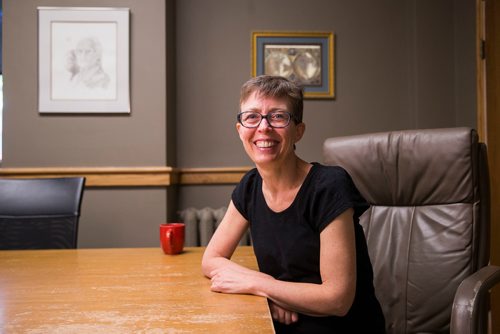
428, 227
40, 213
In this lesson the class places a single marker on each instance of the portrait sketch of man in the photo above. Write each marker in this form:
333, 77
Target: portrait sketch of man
84, 61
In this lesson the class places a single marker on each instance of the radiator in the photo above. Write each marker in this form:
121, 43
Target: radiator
201, 225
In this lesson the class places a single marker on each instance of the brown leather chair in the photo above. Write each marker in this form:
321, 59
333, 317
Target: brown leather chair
428, 226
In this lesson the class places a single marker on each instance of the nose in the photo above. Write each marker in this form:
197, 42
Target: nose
267, 126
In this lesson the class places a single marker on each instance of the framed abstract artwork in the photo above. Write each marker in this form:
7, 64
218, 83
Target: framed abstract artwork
83, 60
307, 58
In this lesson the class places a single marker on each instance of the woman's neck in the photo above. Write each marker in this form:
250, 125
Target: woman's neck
285, 176
281, 184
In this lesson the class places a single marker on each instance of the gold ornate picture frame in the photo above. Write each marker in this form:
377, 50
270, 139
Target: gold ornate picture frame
307, 58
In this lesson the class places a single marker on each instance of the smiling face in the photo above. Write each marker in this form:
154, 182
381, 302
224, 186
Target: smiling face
265, 144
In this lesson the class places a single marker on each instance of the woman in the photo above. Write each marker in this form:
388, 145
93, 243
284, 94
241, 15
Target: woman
312, 255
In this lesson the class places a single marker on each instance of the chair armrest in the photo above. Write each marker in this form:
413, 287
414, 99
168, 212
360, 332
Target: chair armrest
470, 298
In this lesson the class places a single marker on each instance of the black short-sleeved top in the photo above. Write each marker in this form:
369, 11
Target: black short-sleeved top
287, 243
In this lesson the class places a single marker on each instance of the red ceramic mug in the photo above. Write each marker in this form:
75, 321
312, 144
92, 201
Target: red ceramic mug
172, 237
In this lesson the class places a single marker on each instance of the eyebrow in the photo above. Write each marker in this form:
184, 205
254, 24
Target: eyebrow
271, 110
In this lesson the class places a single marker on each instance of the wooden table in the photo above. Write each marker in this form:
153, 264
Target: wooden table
136, 290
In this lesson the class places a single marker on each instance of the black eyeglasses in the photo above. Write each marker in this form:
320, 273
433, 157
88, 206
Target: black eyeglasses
276, 119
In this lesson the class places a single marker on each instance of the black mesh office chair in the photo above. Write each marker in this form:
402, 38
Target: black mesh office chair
40, 213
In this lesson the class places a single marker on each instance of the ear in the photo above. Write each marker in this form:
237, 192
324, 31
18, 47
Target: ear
299, 131
238, 127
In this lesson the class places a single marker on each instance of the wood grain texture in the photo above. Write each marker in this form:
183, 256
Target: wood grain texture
134, 176
136, 290
492, 138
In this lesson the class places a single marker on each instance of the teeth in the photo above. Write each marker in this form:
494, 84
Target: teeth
264, 144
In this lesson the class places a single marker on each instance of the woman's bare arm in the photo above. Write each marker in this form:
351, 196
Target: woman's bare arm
334, 296
223, 243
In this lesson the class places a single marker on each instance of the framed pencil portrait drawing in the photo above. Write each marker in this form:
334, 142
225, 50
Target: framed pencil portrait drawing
304, 57
83, 60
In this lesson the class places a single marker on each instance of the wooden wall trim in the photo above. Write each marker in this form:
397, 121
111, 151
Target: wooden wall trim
134, 176
224, 175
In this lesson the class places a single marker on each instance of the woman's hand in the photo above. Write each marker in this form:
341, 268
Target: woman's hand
242, 280
229, 280
282, 315
232, 279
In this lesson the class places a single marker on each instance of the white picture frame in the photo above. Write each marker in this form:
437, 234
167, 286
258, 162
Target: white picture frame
83, 60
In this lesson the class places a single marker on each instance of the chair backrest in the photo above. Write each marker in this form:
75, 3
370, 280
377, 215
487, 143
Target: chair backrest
40, 213
428, 225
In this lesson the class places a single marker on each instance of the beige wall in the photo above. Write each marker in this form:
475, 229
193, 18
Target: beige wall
135, 139
399, 64
110, 217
